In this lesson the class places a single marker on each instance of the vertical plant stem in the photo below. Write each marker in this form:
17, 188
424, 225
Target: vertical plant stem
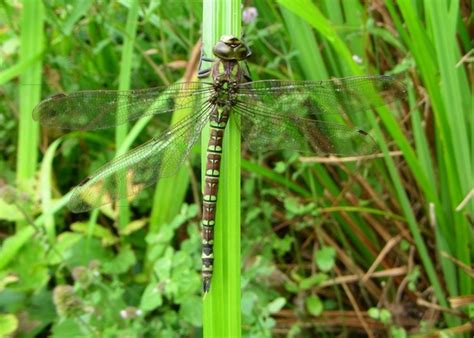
124, 84
222, 304
31, 42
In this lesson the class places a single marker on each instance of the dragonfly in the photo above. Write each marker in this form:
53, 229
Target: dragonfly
303, 116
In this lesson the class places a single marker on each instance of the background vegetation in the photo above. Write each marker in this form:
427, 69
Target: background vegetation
361, 247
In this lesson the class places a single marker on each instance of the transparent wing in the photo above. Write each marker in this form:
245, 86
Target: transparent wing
96, 109
337, 96
142, 166
312, 116
264, 130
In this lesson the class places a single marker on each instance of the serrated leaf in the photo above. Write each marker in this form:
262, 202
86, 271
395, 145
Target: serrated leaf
151, 298
121, 263
191, 311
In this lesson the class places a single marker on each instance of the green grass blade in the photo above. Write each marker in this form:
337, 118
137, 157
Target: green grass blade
304, 41
12, 245
31, 41
170, 191
273, 176
419, 44
437, 67
46, 188
124, 84
457, 102
222, 317
405, 203
312, 15
16, 70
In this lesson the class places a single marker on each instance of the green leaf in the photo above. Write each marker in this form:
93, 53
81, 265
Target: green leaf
385, 316
10, 212
133, 226
151, 298
46, 187
106, 236
296, 208
64, 243
163, 265
283, 245
314, 305
292, 205
191, 311
276, 305
280, 167
325, 258
249, 300
67, 328
121, 263
313, 280
8, 324
398, 332
374, 313
79, 9
30, 266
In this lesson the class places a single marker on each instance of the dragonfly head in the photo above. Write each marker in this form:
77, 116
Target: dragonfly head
231, 48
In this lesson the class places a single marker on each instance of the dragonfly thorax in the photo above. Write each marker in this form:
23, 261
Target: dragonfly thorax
224, 92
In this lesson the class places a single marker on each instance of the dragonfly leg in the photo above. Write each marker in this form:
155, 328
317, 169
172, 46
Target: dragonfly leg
246, 72
203, 73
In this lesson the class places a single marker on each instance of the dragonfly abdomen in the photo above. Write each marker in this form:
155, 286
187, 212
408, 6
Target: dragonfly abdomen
218, 121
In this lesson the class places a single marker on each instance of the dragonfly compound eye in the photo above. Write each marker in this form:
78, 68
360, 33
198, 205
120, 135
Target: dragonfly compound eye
231, 50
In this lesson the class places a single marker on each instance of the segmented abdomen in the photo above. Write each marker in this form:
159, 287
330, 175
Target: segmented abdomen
218, 122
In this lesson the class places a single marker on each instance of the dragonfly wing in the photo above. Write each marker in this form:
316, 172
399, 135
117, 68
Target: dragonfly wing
265, 130
312, 116
142, 166
97, 109
344, 96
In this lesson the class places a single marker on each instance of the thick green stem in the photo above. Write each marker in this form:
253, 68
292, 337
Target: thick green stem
31, 43
222, 304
